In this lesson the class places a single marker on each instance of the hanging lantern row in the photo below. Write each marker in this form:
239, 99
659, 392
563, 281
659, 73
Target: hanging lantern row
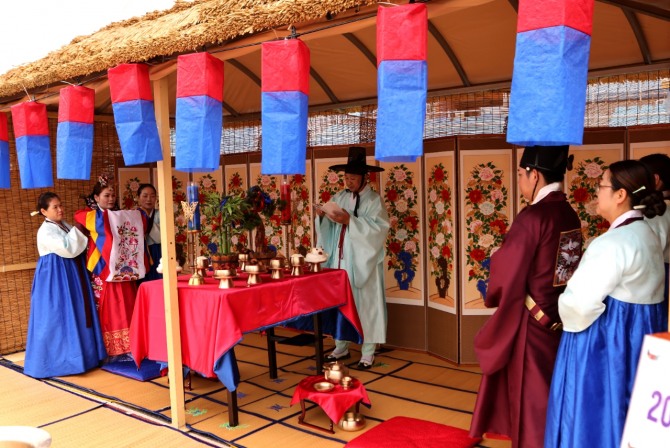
4, 152
199, 112
31, 130
402, 82
548, 95
134, 116
284, 97
74, 137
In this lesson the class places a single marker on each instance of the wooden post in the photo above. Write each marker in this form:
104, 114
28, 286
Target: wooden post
169, 254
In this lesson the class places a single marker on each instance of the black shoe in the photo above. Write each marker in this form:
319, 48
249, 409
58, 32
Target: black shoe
333, 357
365, 365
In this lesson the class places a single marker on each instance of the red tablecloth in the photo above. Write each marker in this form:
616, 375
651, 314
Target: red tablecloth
334, 402
213, 320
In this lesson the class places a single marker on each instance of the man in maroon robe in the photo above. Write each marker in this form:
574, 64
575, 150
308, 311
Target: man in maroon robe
517, 346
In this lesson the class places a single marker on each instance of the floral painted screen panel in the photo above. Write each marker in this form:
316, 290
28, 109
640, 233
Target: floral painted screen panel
440, 231
300, 230
590, 162
129, 181
402, 189
236, 183
486, 185
642, 149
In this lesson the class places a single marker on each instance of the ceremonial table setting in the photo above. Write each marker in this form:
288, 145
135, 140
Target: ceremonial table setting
214, 319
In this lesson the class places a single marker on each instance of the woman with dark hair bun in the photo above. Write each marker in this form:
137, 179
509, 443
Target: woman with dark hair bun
659, 166
64, 335
146, 200
612, 301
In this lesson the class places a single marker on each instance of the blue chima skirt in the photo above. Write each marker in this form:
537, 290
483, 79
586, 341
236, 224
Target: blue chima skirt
594, 375
59, 342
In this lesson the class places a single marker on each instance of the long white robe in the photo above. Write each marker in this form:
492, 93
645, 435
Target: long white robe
362, 257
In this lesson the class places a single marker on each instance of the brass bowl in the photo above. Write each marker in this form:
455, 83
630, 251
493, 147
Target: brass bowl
224, 273
324, 386
253, 268
352, 421
346, 382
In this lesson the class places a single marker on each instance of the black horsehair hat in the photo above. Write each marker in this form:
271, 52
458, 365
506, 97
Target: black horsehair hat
356, 163
548, 159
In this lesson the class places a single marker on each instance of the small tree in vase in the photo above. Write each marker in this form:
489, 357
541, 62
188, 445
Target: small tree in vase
226, 214
260, 203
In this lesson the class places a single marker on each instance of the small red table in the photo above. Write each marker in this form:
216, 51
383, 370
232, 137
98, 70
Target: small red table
334, 402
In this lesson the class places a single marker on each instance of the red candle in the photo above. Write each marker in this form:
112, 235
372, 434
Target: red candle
285, 196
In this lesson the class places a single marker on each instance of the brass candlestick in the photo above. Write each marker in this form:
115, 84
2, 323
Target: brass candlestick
192, 239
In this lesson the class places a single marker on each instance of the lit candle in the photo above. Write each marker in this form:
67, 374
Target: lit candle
192, 196
285, 196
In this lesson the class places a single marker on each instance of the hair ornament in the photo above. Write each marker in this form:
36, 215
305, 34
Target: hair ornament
103, 180
640, 189
34, 213
639, 207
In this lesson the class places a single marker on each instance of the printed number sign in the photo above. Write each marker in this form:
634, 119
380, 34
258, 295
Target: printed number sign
648, 420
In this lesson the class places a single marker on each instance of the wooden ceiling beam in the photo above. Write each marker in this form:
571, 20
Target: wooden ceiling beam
639, 34
450, 53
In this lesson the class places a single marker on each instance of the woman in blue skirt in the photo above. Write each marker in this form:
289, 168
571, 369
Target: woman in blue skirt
64, 335
611, 302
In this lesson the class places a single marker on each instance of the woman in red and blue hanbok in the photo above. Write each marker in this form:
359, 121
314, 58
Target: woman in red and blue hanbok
116, 260
611, 302
64, 335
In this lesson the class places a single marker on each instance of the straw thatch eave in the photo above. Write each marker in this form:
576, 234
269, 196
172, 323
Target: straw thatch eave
186, 27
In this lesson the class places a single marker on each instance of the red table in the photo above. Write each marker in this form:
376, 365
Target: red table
213, 320
334, 402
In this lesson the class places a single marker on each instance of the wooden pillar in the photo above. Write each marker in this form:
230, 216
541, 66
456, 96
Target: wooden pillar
169, 254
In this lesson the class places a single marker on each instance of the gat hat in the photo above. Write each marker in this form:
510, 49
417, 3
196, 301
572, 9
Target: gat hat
548, 159
356, 163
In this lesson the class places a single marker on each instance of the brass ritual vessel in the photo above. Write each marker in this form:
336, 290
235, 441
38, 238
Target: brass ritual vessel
334, 371
254, 271
226, 277
201, 265
277, 269
352, 421
297, 264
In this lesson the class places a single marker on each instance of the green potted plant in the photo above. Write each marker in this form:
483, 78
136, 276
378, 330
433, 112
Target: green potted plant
225, 213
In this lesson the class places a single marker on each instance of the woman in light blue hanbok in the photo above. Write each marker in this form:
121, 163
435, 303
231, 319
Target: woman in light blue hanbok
611, 302
64, 336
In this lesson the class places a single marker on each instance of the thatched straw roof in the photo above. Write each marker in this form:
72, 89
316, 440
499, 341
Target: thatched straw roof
186, 27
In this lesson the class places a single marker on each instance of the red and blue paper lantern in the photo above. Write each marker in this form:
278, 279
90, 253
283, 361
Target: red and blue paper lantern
31, 131
134, 116
74, 141
402, 82
199, 112
4, 152
548, 97
284, 102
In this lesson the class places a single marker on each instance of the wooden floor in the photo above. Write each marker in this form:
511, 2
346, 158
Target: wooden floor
102, 409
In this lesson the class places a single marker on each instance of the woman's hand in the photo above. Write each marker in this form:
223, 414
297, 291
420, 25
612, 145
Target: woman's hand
319, 211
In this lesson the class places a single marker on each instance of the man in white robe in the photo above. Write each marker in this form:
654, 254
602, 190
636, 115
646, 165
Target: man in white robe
353, 235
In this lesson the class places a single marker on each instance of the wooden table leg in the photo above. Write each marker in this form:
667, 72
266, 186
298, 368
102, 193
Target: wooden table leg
233, 418
301, 420
272, 352
318, 343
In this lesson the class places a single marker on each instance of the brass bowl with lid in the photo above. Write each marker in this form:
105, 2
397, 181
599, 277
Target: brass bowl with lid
352, 421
